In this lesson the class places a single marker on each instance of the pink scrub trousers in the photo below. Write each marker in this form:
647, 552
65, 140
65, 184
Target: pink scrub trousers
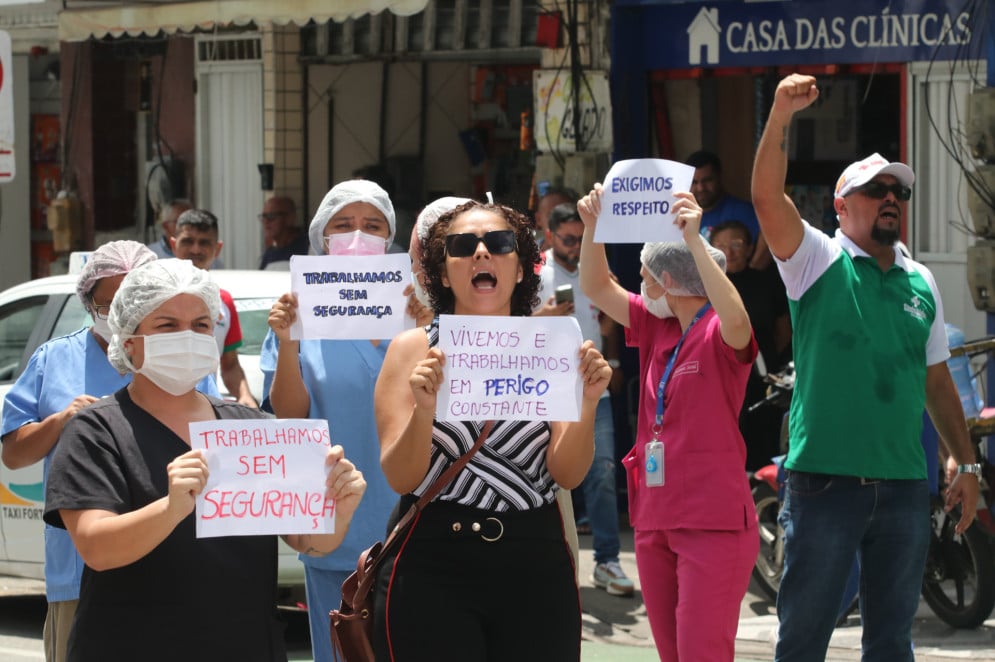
693, 582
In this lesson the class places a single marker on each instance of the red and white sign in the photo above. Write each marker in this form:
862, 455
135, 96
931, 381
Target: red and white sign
6, 111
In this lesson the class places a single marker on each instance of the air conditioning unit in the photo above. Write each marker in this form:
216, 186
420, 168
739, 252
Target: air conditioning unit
981, 123
981, 200
981, 274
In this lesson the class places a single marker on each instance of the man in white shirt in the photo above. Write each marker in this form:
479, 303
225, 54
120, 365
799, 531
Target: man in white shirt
563, 236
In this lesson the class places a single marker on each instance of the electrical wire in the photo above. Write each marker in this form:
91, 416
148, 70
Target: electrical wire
952, 137
572, 113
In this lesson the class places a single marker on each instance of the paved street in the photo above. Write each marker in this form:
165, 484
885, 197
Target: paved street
615, 629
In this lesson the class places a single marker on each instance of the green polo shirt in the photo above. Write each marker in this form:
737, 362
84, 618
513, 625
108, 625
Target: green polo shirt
862, 340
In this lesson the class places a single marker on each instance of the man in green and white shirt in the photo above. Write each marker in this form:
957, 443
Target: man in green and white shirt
870, 351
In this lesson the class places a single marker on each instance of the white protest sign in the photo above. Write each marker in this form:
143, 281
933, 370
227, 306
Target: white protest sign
267, 477
350, 297
6, 110
637, 201
509, 368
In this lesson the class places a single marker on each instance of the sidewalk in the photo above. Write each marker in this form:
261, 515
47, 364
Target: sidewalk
616, 629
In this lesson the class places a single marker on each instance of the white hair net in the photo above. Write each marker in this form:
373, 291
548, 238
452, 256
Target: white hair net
146, 288
346, 193
674, 258
114, 258
431, 213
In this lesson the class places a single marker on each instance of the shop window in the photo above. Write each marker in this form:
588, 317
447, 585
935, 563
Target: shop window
445, 25
416, 33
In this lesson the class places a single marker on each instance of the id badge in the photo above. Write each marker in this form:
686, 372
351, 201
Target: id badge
654, 464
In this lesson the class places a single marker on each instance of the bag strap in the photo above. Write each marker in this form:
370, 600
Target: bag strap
449, 474
367, 578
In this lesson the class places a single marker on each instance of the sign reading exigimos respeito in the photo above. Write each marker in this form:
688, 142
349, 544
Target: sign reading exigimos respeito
6, 110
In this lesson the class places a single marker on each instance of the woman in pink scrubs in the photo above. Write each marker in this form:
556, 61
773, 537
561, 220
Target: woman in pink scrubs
689, 497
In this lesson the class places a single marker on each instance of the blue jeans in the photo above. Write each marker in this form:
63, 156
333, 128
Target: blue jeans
600, 500
828, 519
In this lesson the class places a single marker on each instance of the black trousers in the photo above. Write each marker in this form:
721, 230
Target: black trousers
471, 585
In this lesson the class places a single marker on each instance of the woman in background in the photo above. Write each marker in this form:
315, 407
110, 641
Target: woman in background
334, 380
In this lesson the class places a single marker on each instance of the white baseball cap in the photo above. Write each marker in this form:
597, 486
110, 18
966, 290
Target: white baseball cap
859, 173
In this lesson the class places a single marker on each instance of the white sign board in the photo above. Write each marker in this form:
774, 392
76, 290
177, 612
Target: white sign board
78, 260
350, 297
267, 477
553, 128
637, 201
509, 368
6, 110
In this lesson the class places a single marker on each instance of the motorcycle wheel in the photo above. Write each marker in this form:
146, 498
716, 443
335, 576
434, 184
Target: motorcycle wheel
959, 581
770, 559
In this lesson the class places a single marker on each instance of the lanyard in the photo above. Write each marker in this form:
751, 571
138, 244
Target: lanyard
670, 367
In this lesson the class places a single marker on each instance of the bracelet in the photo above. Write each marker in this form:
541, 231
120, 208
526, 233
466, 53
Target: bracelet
973, 468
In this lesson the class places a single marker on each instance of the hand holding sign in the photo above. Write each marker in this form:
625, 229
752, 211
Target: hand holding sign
637, 201
345, 483
282, 316
426, 379
687, 216
187, 476
594, 370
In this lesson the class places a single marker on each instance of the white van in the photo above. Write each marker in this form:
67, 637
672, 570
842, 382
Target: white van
36, 311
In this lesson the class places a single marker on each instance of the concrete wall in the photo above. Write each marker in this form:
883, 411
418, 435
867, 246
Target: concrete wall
343, 121
283, 110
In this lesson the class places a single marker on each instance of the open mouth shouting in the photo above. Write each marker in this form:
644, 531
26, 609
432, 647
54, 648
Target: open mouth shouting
483, 280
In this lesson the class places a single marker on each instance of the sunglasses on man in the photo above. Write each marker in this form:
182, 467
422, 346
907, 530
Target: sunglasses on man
879, 190
464, 244
568, 240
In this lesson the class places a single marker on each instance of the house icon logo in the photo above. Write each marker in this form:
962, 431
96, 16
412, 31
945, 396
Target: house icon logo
703, 33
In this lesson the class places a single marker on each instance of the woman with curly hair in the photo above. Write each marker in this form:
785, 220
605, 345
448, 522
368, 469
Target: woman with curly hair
495, 528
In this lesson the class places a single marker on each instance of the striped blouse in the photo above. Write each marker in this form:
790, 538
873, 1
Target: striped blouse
507, 473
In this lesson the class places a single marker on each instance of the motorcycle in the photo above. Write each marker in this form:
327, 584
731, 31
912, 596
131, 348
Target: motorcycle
959, 577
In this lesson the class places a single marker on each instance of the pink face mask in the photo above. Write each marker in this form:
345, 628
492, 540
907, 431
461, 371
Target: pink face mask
355, 243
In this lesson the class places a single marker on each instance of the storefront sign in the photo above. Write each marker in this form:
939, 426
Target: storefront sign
740, 34
6, 110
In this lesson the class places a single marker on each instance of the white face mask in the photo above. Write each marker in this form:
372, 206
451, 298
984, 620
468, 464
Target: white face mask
656, 307
356, 242
102, 328
175, 362
421, 294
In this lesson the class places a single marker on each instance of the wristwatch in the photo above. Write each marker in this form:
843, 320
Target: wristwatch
974, 468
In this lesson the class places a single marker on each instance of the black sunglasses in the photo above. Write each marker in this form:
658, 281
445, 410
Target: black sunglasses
569, 240
464, 244
878, 190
